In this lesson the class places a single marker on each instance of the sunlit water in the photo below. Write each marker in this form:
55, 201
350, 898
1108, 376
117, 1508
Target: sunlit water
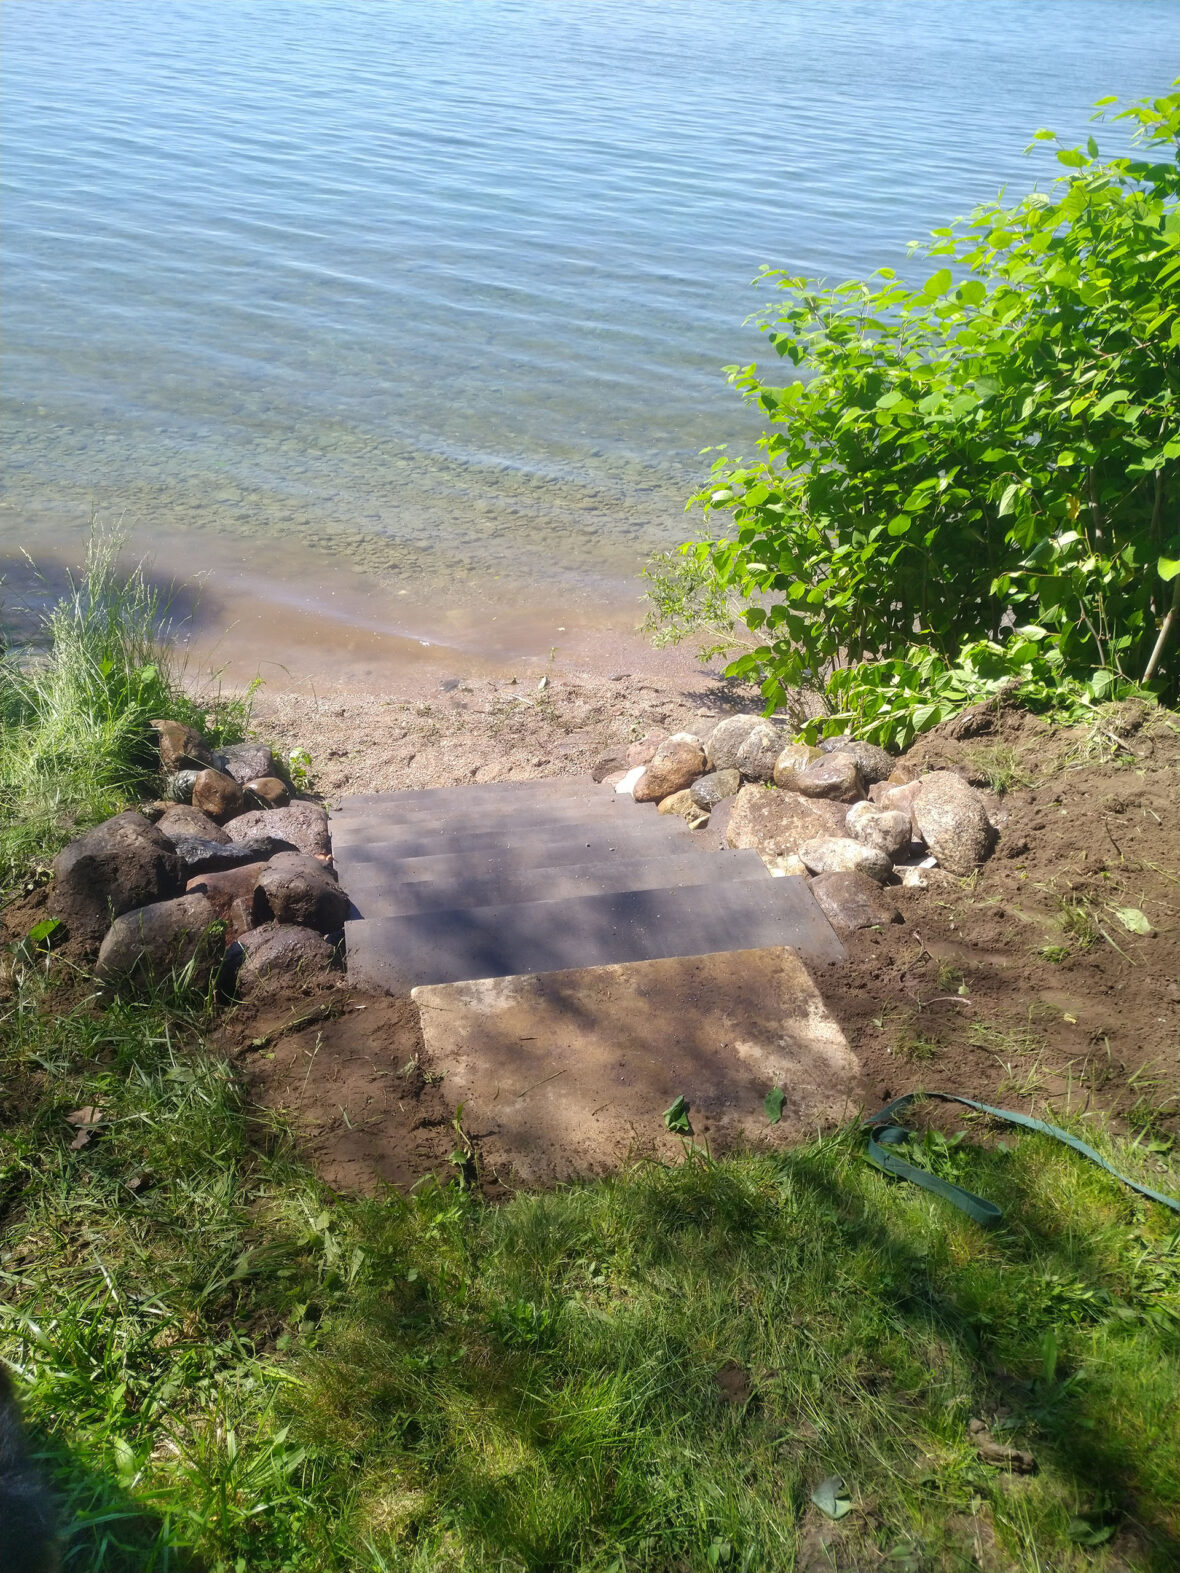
443, 290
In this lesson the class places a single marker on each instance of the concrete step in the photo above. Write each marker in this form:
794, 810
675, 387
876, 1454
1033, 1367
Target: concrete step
374, 895
400, 953
475, 797
387, 823
495, 862
514, 835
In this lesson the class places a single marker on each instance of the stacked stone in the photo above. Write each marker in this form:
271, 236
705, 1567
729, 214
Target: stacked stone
226, 876
845, 815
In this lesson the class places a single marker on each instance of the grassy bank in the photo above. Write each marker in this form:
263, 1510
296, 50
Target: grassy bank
226, 1367
75, 741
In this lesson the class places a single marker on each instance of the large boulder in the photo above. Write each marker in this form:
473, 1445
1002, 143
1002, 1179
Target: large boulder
887, 829
678, 761
843, 855
775, 824
873, 763
144, 946
707, 791
757, 756
851, 900
950, 817
245, 761
725, 740
218, 795
296, 888
835, 776
182, 819
199, 856
279, 956
181, 747
114, 868
304, 825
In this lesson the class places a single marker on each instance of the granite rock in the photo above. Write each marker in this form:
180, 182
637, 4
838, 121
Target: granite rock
143, 946
887, 829
279, 956
775, 823
841, 854
725, 740
835, 776
303, 825
793, 758
296, 888
678, 761
182, 819
245, 761
707, 791
951, 819
759, 752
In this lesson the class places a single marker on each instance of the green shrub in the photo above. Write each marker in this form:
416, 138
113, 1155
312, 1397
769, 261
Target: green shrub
75, 740
978, 480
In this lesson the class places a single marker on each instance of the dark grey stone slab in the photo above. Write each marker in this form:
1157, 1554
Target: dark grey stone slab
491, 863
430, 799
374, 895
463, 818
515, 835
400, 953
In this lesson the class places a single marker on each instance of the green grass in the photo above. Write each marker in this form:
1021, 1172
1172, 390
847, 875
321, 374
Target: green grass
227, 1367
75, 743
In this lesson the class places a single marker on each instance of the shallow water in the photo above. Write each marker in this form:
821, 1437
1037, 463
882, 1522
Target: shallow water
362, 296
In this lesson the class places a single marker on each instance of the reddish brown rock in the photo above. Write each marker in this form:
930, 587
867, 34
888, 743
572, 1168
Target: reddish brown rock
643, 752
228, 889
776, 823
678, 761
181, 747
835, 776
267, 792
218, 795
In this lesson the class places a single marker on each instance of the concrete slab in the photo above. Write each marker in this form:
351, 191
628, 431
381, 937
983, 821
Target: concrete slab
375, 895
399, 953
502, 820
429, 799
568, 1073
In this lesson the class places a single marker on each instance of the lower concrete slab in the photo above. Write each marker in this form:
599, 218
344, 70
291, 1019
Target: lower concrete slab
562, 1074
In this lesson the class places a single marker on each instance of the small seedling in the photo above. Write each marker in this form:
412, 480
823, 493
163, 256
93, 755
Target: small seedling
676, 1117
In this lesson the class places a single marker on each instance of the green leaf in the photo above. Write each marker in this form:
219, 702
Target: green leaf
1008, 500
773, 1105
1168, 567
676, 1117
832, 1497
938, 283
46, 930
973, 292
1071, 158
899, 524
1134, 921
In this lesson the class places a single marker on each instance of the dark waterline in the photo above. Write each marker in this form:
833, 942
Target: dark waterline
437, 294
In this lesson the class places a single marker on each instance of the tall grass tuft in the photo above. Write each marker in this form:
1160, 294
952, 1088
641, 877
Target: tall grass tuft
76, 743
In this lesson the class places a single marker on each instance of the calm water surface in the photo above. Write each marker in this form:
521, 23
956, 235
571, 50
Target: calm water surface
439, 293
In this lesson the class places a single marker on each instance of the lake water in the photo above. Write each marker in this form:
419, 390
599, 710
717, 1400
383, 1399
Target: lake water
380, 309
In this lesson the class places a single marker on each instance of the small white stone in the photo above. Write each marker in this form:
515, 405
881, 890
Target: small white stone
626, 787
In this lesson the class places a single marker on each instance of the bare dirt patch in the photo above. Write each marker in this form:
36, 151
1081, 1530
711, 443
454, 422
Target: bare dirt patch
1021, 985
